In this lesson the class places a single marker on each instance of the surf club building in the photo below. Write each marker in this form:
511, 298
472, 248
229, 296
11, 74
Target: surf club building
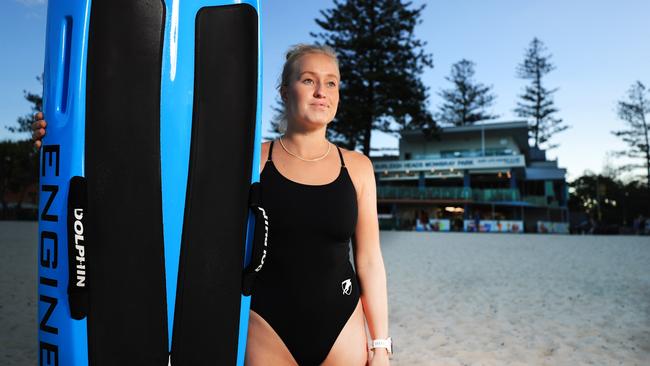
482, 178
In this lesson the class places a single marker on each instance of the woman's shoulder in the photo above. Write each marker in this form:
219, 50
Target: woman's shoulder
359, 167
355, 159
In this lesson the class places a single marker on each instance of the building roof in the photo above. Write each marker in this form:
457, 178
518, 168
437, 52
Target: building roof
517, 129
478, 126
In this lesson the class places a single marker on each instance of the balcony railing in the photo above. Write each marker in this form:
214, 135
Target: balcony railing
495, 195
540, 201
449, 193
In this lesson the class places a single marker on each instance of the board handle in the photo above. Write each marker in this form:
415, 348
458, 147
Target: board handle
58, 56
77, 248
260, 240
63, 66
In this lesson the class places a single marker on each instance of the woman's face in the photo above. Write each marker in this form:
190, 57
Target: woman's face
312, 95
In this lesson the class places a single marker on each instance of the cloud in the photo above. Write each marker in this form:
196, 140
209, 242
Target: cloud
35, 15
32, 2
33, 9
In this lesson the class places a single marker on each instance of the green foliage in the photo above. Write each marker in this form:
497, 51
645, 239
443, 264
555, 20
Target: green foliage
608, 199
635, 111
381, 61
19, 160
278, 113
467, 101
18, 170
537, 103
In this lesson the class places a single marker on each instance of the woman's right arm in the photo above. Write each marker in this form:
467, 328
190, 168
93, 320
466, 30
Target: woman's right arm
38, 129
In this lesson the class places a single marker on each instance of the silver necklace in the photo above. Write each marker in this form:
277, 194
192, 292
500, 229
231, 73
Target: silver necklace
329, 147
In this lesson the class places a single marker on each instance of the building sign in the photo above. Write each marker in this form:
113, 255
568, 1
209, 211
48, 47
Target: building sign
481, 162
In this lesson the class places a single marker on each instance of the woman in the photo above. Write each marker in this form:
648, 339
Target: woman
316, 199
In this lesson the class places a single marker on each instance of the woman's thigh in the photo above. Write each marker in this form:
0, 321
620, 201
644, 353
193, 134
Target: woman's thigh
264, 347
351, 346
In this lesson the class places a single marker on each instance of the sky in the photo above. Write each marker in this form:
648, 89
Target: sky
599, 47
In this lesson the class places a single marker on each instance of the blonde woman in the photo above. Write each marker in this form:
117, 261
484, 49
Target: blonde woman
309, 307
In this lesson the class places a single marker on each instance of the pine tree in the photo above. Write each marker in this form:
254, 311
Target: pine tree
635, 112
381, 61
537, 103
468, 100
25, 122
278, 114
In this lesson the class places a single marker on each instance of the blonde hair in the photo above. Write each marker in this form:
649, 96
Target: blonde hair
293, 54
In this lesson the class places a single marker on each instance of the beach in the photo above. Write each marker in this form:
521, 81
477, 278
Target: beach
454, 298
18, 272
508, 299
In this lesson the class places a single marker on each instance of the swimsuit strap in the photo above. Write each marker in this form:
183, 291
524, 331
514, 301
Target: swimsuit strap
270, 150
340, 156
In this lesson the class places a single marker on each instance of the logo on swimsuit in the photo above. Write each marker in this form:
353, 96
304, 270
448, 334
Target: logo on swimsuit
346, 286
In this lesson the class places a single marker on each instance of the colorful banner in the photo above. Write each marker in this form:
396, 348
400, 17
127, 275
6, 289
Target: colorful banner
439, 225
433, 225
494, 226
550, 227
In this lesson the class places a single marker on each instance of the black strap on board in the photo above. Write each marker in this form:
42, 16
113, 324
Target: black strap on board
127, 319
77, 245
215, 223
260, 240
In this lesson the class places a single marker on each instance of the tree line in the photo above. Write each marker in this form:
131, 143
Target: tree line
19, 163
381, 64
605, 204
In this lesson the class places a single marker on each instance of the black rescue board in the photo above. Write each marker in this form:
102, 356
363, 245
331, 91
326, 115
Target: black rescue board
127, 322
208, 300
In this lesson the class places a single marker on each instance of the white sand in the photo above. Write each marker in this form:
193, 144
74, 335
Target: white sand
455, 299
507, 299
18, 345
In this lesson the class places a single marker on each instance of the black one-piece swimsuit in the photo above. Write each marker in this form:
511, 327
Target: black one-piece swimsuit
307, 289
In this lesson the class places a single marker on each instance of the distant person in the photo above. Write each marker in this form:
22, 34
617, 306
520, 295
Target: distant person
593, 226
583, 226
422, 222
416, 221
458, 224
636, 225
424, 217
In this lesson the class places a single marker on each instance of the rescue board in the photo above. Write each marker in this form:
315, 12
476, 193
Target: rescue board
149, 206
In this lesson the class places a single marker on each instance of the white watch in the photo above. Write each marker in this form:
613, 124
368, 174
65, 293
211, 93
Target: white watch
383, 343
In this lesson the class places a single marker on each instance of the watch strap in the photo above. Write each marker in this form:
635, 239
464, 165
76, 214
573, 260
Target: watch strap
383, 343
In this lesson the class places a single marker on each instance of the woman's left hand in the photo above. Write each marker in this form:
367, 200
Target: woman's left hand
379, 357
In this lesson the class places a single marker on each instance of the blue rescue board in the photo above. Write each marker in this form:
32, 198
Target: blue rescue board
149, 209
